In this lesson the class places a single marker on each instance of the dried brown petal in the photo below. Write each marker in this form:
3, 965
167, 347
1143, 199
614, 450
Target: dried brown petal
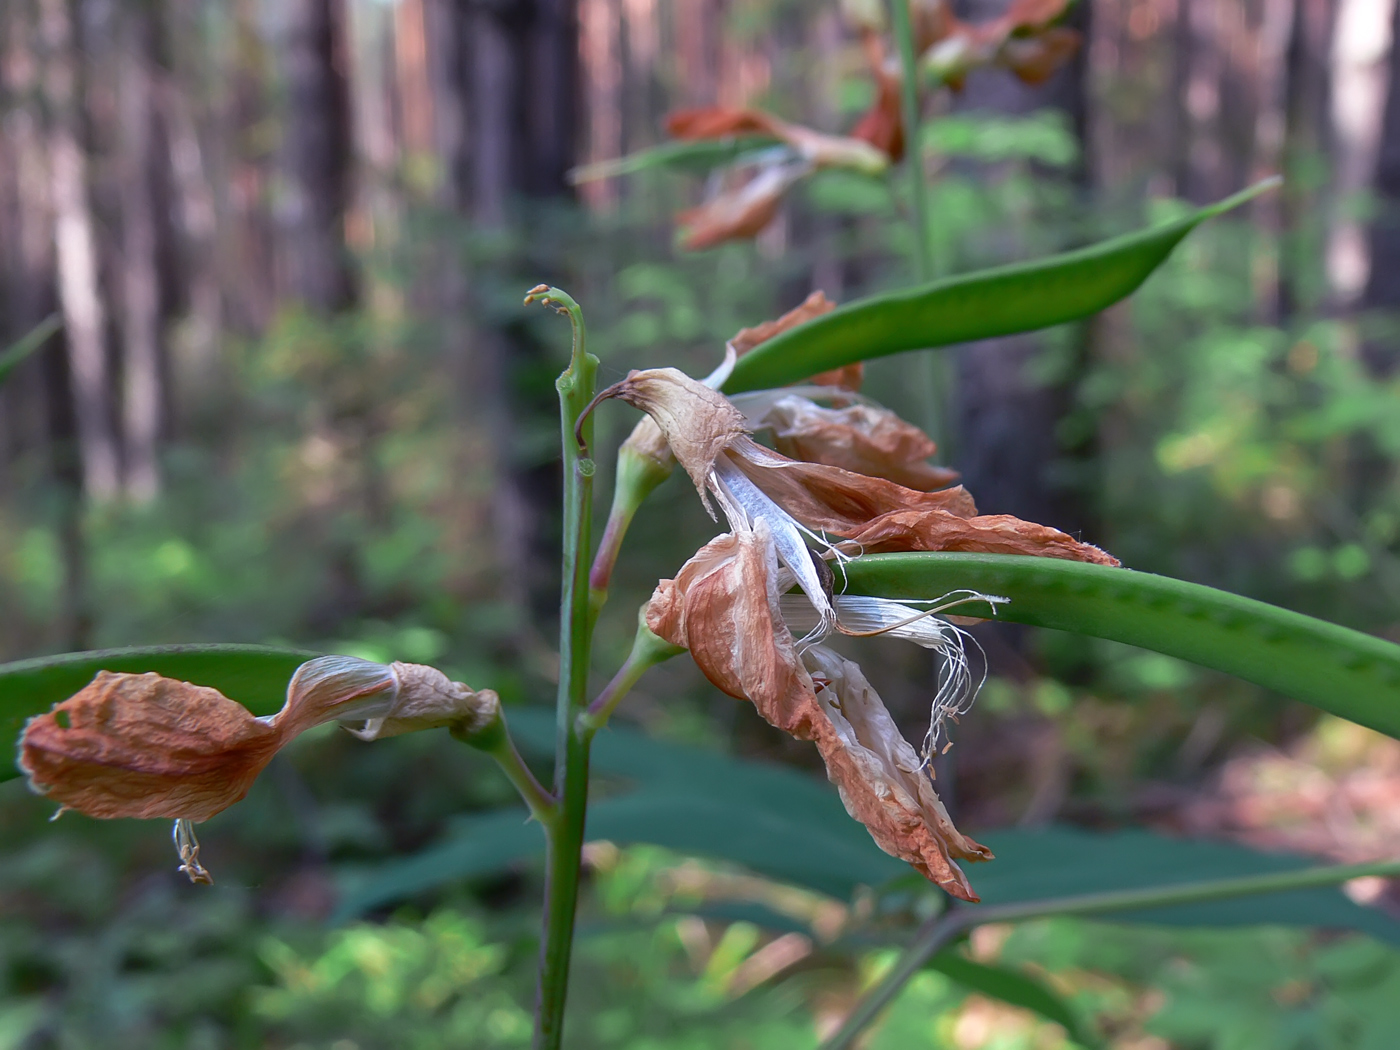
931, 529
825, 151
1036, 59
428, 699
697, 422
883, 124
881, 779
861, 438
717, 122
720, 607
814, 306
836, 500
739, 214
334, 687
139, 745
724, 605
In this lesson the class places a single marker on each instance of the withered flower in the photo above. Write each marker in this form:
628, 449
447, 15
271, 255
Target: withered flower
743, 210
141, 745
728, 605
724, 606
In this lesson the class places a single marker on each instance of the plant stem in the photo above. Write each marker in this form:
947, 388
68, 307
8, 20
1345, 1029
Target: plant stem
564, 831
496, 741
939, 931
931, 370
913, 147
648, 650
638, 474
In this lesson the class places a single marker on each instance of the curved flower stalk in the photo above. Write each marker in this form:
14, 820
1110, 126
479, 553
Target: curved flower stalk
141, 745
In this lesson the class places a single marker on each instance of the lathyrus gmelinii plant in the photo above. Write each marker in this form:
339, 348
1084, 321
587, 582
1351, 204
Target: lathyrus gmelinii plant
841, 527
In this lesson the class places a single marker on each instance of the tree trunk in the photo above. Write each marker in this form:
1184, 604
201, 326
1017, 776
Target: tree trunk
317, 147
1383, 285
80, 294
141, 313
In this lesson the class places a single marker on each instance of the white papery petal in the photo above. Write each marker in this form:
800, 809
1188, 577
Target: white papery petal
741, 499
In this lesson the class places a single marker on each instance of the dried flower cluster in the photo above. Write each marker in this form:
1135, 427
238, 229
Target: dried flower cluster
1026, 41
140, 745
856, 481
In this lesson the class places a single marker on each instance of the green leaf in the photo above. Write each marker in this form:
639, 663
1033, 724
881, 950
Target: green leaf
700, 155
1017, 298
791, 826
1014, 987
27, 344
254, 675
1345, 672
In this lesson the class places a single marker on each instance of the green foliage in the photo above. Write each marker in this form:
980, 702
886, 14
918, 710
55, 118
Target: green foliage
792, 828
1021, 297
1346, 672
1044, 137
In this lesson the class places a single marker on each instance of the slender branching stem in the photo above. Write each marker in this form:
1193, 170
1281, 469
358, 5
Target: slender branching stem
495, 740
564, 832
913, 147
942, 930
638, 474
648, 650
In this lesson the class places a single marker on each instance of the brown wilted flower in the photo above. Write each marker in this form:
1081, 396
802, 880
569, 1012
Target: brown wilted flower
817, 148
728, 606
859, 436
724, 606
141, 745
742, 211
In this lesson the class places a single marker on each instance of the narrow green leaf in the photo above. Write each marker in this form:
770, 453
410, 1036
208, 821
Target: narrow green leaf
254, 675
1017, 298
1014, 987
791, 826
700, 156
27, 344
1345, 672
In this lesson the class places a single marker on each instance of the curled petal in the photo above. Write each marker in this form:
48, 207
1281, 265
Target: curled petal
932, 529
139, 745
741, 213
881, 779
717, 122
696, 422
724, 607
883, 124
329, 688
428, 699
814, 306
836, 500
822, 150
861, 438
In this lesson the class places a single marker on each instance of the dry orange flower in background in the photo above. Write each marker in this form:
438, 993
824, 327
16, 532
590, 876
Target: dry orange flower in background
140, 745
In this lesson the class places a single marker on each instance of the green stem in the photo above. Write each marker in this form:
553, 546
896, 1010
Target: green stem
913, 149
564, 831
939, 931
496, 741
648, 650
638, 474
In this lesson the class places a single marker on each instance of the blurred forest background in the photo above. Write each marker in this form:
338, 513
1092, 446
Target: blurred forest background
296, 399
